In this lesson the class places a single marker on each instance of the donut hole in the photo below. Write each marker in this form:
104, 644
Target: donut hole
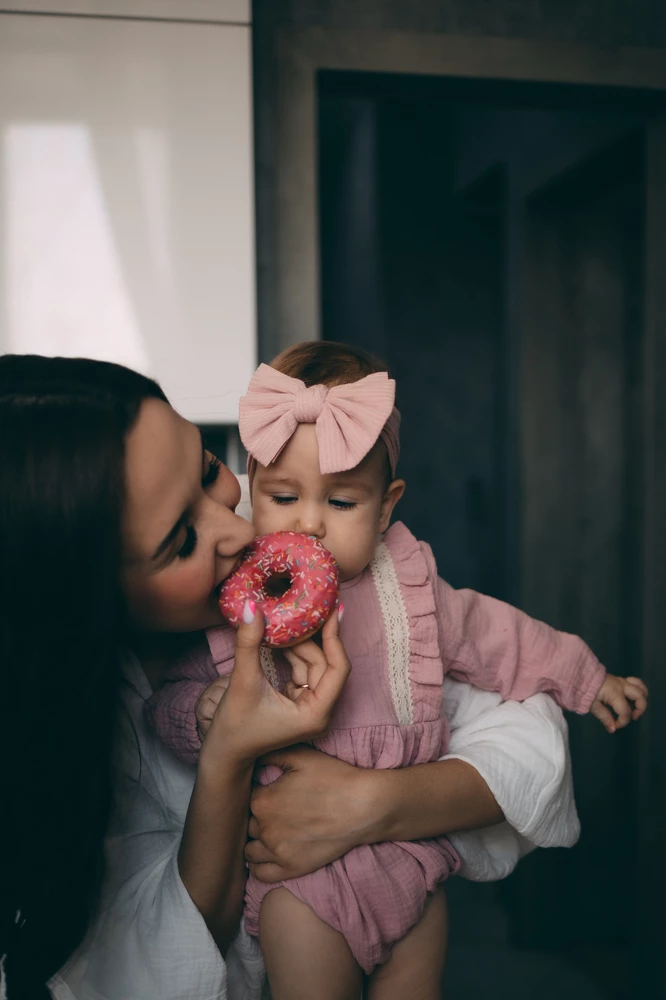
276, 586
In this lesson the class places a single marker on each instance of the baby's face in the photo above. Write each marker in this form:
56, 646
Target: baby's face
346, 510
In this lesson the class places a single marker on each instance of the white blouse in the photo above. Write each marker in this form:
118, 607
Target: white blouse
150, 940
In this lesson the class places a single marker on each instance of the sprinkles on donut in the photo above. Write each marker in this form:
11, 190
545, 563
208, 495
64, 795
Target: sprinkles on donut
312, 576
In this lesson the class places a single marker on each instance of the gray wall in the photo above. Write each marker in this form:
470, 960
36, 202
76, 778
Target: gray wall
608, 22
609, 29
604, 22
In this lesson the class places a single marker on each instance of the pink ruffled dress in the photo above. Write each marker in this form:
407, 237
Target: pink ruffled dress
403, 629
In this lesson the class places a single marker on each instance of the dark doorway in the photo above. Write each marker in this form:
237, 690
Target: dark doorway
487, 240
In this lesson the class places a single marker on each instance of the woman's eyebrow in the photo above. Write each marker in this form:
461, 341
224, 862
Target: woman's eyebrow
168, 539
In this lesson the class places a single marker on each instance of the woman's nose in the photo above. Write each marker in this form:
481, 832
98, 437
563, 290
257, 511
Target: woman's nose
234, 533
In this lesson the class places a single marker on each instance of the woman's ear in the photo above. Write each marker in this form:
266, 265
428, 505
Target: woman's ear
391, 497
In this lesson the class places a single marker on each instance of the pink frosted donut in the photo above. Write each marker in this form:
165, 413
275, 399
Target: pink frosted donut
312, 576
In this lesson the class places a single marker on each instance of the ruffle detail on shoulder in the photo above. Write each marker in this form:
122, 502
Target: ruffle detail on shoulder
416, 572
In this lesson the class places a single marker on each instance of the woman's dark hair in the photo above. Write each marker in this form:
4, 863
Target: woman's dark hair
63, 425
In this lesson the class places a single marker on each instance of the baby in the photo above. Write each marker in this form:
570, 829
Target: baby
322, 434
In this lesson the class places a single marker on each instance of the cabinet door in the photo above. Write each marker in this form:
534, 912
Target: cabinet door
126, 200
228, 11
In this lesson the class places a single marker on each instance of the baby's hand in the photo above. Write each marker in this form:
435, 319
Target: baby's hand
308, 662
308, 665
207, 704
617, 692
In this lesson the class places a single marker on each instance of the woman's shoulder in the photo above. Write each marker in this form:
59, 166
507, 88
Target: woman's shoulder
145, 768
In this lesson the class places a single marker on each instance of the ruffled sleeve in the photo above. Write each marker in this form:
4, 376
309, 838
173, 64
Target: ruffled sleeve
496, 647
170, 711
486, 642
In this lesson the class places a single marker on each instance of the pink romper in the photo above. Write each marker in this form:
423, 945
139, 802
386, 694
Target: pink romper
404, 629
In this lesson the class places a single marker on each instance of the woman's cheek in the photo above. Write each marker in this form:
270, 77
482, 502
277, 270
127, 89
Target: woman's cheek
193, 582
178, 591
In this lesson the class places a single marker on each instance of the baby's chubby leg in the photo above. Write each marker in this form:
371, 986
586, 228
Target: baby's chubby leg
415, 970
305, 958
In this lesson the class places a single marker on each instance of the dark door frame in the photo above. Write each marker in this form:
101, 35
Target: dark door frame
289, 173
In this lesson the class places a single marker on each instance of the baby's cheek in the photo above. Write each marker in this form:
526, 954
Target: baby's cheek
357, 548
266, 520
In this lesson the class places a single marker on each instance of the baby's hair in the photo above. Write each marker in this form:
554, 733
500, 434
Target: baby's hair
325, 362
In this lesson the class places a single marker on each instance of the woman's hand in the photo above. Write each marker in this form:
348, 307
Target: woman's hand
315, 812
253, 718
249, 720
320, 808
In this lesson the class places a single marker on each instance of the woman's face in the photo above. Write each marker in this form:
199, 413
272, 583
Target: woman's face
181, 536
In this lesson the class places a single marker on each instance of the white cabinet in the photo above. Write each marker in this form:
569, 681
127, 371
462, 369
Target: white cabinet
126, 195
227, 11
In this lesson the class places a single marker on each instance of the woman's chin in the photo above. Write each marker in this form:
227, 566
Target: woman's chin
214, 616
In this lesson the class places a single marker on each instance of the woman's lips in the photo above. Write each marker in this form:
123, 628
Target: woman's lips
233, 569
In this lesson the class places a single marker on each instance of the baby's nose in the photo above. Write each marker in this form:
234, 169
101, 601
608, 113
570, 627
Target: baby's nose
311, 523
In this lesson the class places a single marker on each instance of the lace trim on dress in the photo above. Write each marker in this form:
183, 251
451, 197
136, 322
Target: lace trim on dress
268, 665
396, 626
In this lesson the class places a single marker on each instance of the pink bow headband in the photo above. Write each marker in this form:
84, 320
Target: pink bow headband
349, 418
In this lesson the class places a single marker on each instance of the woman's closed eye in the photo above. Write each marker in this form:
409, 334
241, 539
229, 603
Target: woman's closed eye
212, 472
209, 477
190, 543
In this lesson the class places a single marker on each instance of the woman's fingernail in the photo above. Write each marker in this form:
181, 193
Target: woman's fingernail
249, 611
341, 611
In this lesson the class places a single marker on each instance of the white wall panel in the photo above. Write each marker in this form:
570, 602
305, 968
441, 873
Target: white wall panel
126, 200
230, 11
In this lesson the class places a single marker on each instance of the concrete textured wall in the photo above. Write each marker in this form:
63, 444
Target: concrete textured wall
603, 25
603, 22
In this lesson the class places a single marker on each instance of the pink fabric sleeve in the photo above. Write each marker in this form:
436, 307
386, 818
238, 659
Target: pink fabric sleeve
493, 646
170, 711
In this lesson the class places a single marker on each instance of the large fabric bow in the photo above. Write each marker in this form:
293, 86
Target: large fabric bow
349, 418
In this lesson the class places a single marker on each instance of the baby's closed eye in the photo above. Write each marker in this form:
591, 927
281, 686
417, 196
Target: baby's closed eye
343, 504
283, 498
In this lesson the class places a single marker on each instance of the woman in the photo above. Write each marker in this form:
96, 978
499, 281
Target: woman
116, 532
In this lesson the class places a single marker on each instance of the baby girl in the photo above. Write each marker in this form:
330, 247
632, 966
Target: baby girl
322, 433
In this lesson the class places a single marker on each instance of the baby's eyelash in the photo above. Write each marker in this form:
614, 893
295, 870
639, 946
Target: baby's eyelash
190, 543
284, 500
212, 471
